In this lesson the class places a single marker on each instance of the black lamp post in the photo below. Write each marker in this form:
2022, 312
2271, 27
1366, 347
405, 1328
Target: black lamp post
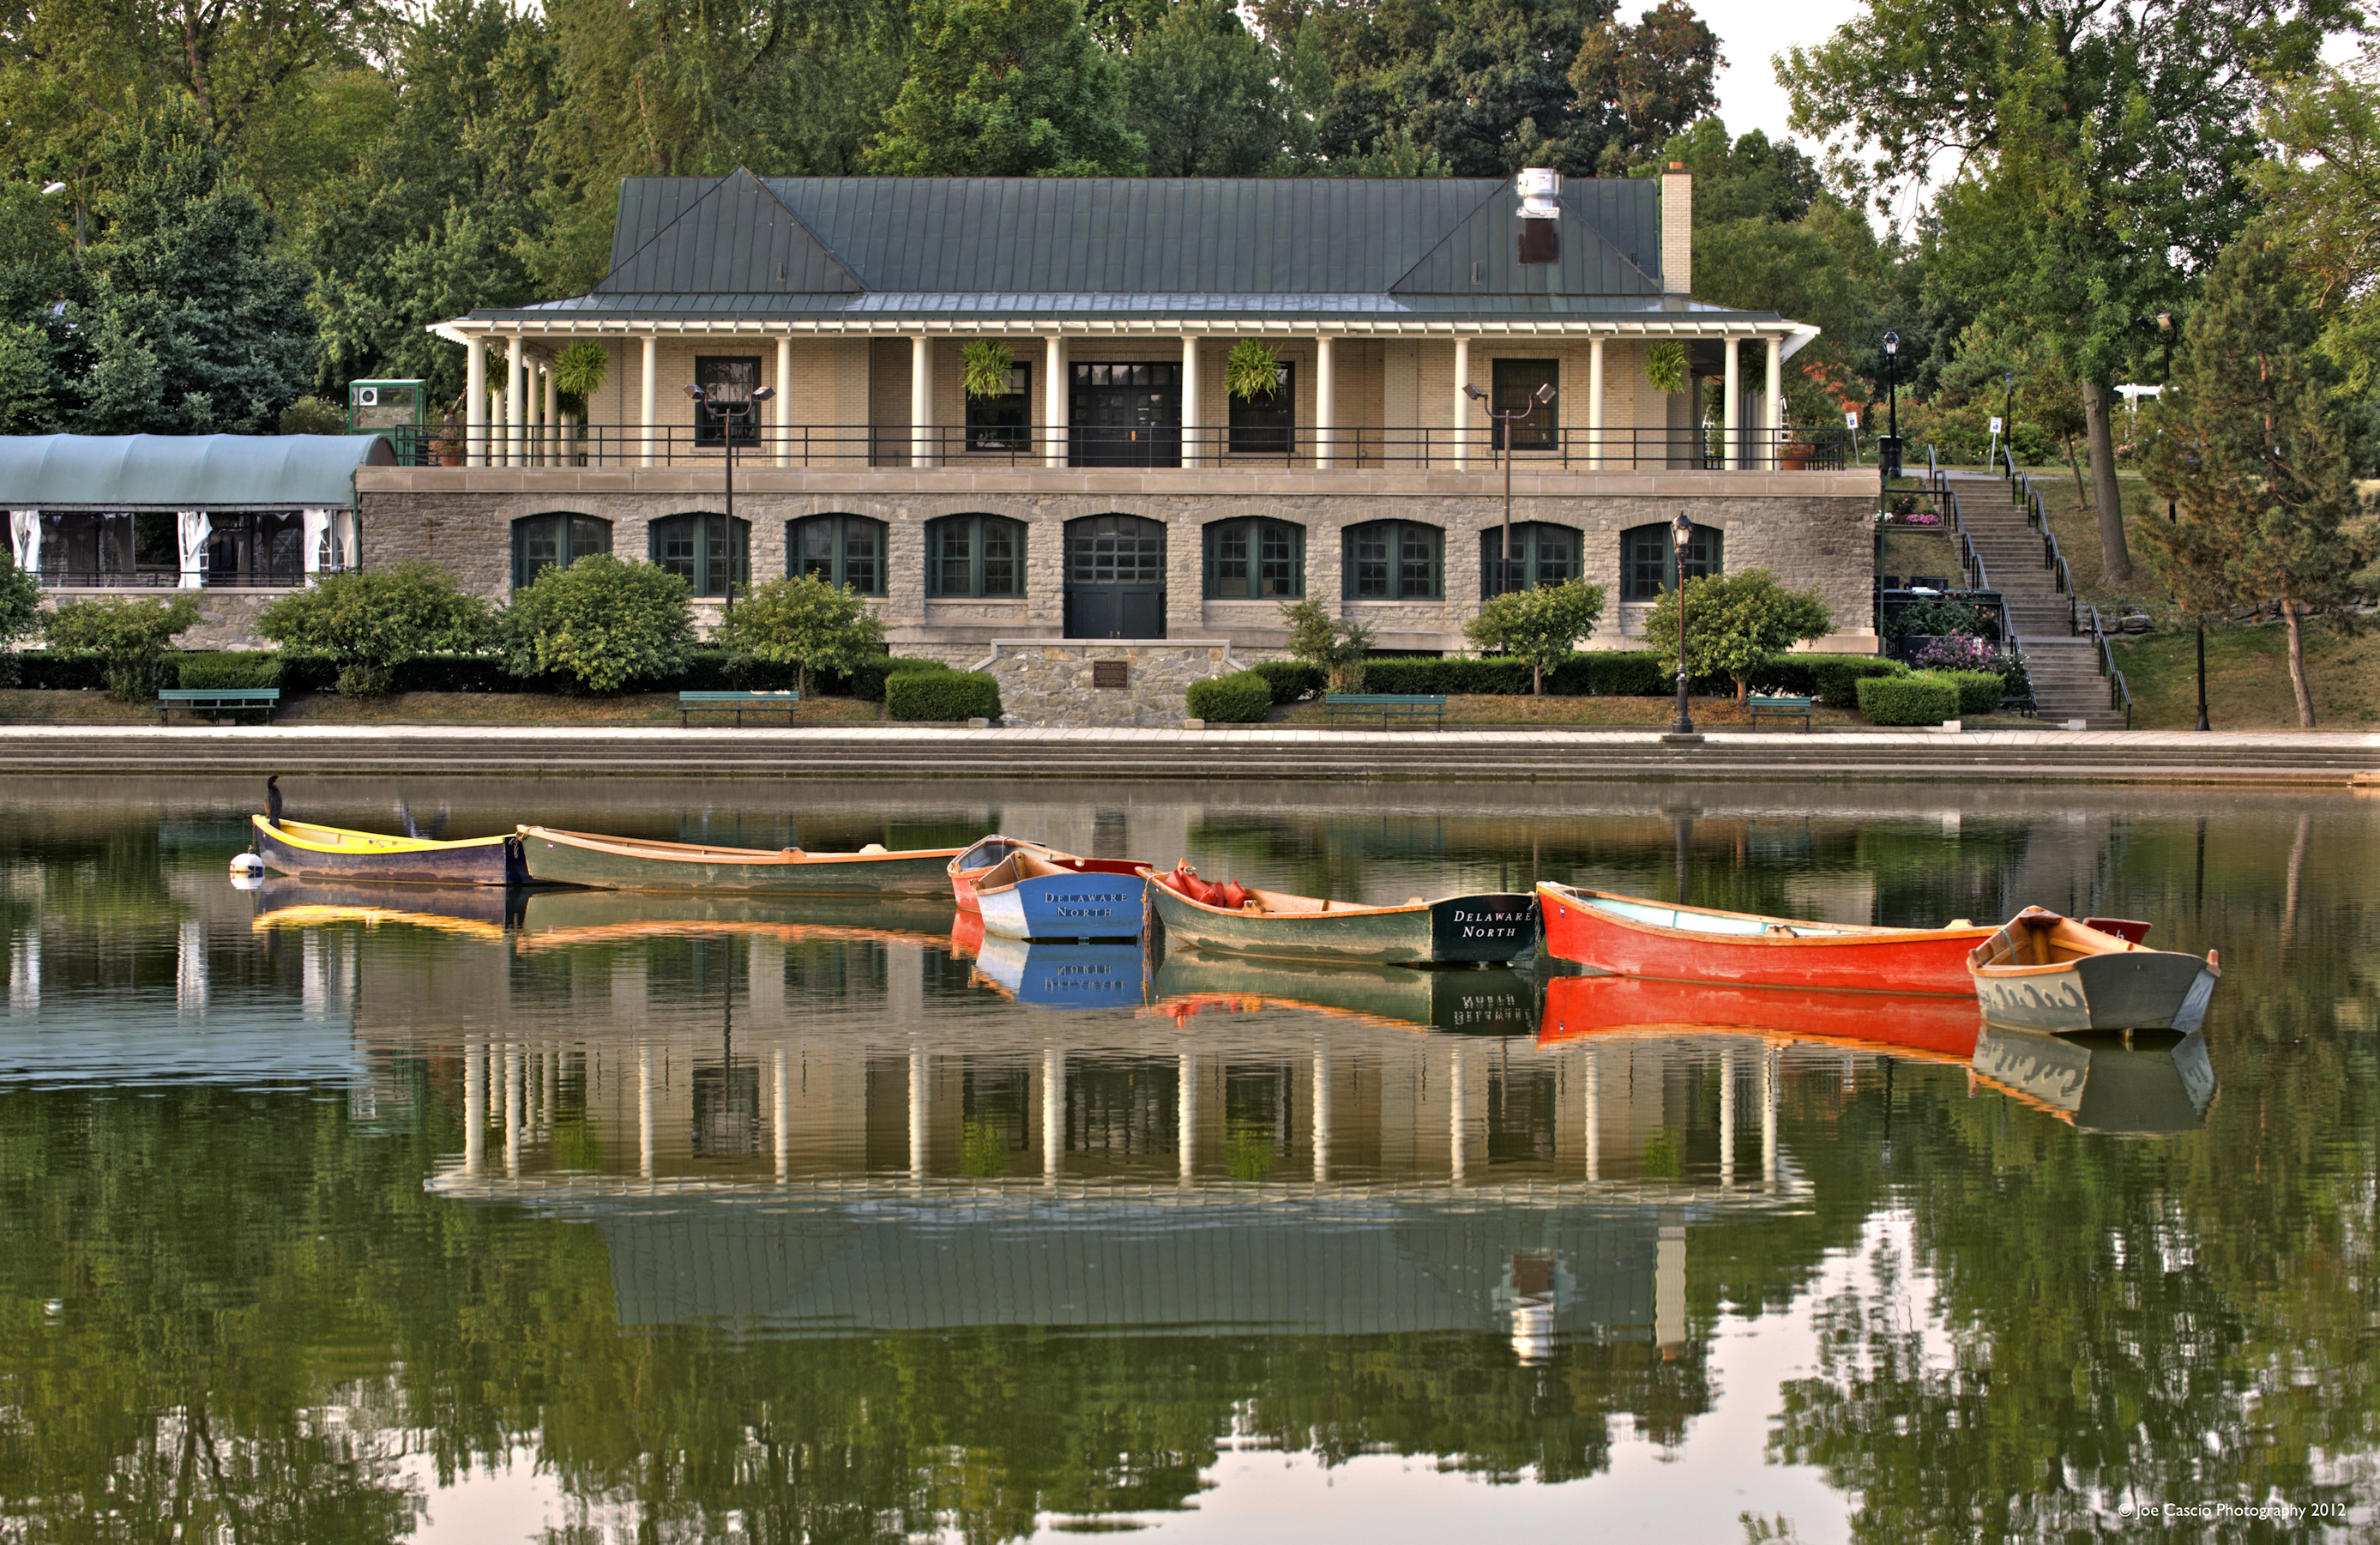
2007, 416
1682, 532
1889, 461
729, 411
1545, 393
2173, 331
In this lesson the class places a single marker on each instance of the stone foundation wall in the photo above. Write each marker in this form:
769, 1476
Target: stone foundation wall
1047, 683
227, 617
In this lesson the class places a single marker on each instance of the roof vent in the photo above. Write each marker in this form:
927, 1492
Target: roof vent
1540, 214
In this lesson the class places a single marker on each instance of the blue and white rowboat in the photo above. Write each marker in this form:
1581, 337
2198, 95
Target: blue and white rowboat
1025, 896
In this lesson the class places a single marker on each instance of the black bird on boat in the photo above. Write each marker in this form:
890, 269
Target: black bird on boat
273, 799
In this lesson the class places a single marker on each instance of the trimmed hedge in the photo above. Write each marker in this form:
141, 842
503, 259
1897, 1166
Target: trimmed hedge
942, 695
1911, 700
1979, 691
44, 671
1293, 680
868, 681
1833, 679
1612, 674
254, 668
1243, 699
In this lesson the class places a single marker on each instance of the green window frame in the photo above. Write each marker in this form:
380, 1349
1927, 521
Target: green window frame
697, 548
1253, 558
556, 540
1003, 423
1543, 553
1392, 560
1647, 567
974, 556
840, 549
1267, 426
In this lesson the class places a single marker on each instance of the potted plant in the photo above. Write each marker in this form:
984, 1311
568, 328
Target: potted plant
447, 442
1664, 367
986, 367
1251, 370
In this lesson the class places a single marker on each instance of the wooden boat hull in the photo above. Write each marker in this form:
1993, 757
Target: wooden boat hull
1458, 930
310, 852
1494, 1000
988, 854
1063, 907
1641, 938
2044, 972
629, 864
2102, 1086
1933, 1024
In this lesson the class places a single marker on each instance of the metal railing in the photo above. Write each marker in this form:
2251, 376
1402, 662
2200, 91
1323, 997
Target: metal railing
2120, 695
60, 576
1208, 448
2036, 514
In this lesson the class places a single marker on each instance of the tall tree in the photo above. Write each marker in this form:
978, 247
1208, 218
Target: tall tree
1006, 89
2101, 153
2322, 200
1210, 96
2253, 459
1652, 79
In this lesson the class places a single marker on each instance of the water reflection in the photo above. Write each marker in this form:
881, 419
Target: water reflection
749, 1219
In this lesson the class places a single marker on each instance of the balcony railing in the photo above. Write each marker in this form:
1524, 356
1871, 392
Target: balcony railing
60, 576
1129, 446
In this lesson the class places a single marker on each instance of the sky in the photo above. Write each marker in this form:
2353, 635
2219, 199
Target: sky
1750, 32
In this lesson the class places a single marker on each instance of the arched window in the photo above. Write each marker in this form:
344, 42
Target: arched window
1393, 560
1648, 567
1255, 559
554, 540
1542, 554
839, 549
975, 555
698, 548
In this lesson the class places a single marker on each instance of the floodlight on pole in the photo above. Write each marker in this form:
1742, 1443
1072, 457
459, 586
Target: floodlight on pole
1504, 421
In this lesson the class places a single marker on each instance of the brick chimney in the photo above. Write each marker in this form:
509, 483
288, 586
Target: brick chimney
1677, 230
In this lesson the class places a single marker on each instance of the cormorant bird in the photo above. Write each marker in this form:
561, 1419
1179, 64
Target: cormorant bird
273, 799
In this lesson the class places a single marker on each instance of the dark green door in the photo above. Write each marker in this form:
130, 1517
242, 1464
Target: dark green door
1115, 577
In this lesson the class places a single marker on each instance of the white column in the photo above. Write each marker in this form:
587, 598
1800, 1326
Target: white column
475, 1108
534, 402
475, 401
1326, 404
1192, 451
1734, 388
646, 407
516, 390
1321, 1116
784, 405
1594, 1080
1774, 453
552, 419
1186, 1116
1053, 401
922, 401
1595, 403
1461, 404
1726, 1119
645, 1112
1053, 1113
918, 1115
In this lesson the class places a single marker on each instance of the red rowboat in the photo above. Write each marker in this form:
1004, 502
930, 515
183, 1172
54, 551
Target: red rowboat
1926, 1024
989, 854
1641, 938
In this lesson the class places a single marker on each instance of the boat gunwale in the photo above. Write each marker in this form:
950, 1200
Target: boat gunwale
1837, 935
1354, 909
2004, 943
688, 853
386, 843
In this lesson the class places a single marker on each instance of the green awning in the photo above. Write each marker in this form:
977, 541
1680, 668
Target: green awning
186, 472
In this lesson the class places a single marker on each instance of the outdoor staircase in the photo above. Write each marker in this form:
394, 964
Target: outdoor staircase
2064, 665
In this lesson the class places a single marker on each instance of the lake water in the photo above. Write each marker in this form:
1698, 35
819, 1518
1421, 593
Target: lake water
330, 1215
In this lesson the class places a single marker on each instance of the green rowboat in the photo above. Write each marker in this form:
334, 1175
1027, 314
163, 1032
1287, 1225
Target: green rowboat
1457, 929
631, 864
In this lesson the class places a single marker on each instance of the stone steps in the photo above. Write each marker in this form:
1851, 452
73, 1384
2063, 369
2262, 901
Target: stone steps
2065, 668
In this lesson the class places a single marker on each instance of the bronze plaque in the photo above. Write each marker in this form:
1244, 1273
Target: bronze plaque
1109, 673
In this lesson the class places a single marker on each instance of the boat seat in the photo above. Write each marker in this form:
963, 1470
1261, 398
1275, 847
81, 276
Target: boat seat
1782, 931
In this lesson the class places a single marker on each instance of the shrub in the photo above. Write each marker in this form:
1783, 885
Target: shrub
600, 624
1292, 679
1735, 622
372, 622
1832, 679
254, 668
1911, 700
805, 623
1242, 699
1542, 626
128, 638
46, 670
1614, 673
1937, 617
944, 696
1489, 677
1979, 691
20, 605
867, 677
1333, 643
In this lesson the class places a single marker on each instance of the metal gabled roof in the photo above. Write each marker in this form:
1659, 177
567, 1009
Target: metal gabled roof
186, 472
726, 234
1480, 257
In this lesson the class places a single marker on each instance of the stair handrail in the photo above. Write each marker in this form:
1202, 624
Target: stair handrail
2120, 695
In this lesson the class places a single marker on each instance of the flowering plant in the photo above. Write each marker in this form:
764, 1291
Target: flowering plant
1962, 653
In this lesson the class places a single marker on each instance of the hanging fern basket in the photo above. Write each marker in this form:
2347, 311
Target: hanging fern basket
1664, 367
1253, 370
985, 368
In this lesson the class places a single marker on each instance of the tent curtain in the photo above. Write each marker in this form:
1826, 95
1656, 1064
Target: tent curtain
318, 524
193, 529
343, 539
25, 539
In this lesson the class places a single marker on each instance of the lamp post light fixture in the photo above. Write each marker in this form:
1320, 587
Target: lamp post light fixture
729, 410
2007, 417
1682, 532
1545, 393
1889, 464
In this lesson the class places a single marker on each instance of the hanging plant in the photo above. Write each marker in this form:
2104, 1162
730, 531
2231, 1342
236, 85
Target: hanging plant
986, 366
1665, 366
579, 372
1253, 370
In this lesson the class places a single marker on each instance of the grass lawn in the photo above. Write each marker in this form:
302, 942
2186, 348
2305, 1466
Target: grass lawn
21, 707
2247, 678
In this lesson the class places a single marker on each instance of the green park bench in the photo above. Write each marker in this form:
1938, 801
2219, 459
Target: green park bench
722, 702
216, 701
1779, 707
1388, 705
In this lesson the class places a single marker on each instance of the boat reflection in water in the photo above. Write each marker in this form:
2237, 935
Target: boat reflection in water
1489, 1001
1926, 1024
468, 911
1046, 974
2150, 1083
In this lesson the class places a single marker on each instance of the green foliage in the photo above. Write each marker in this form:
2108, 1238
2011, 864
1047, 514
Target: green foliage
1614, 673
1936, 617
1210, 96
1251, 370
579, 373
1244, 698
941, 697
1832, 679
313, 416
806, 623
2322, 200
1664, 367
1979, 691
1911, 700
1543, 626
1510, 678
1734, 622
599, 625
128, 637
867, 677
246, 668
1335, 644
20, 605
984, 367
1292, 679
1006, 89
371, 621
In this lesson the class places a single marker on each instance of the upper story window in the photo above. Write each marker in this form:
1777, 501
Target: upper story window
1647, 567
1267, 426
555, 540
968, 556
1393, 560
1516, 383
1542, 554
727, 380
1003, 423
840, 549
1255, 559
701, 550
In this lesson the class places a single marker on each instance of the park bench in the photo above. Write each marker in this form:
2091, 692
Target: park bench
1387, 705
722, 702
214, 701
1779, 707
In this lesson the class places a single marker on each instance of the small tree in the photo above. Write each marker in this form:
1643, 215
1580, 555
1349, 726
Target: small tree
370, 624
806, 623
1734, 622
1335, 644
602, 623
1540, 626
129, 637
20, 613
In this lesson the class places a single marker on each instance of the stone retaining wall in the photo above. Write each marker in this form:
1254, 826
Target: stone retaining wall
1046, 682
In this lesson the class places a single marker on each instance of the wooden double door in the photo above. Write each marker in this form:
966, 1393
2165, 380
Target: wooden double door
1115, 577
